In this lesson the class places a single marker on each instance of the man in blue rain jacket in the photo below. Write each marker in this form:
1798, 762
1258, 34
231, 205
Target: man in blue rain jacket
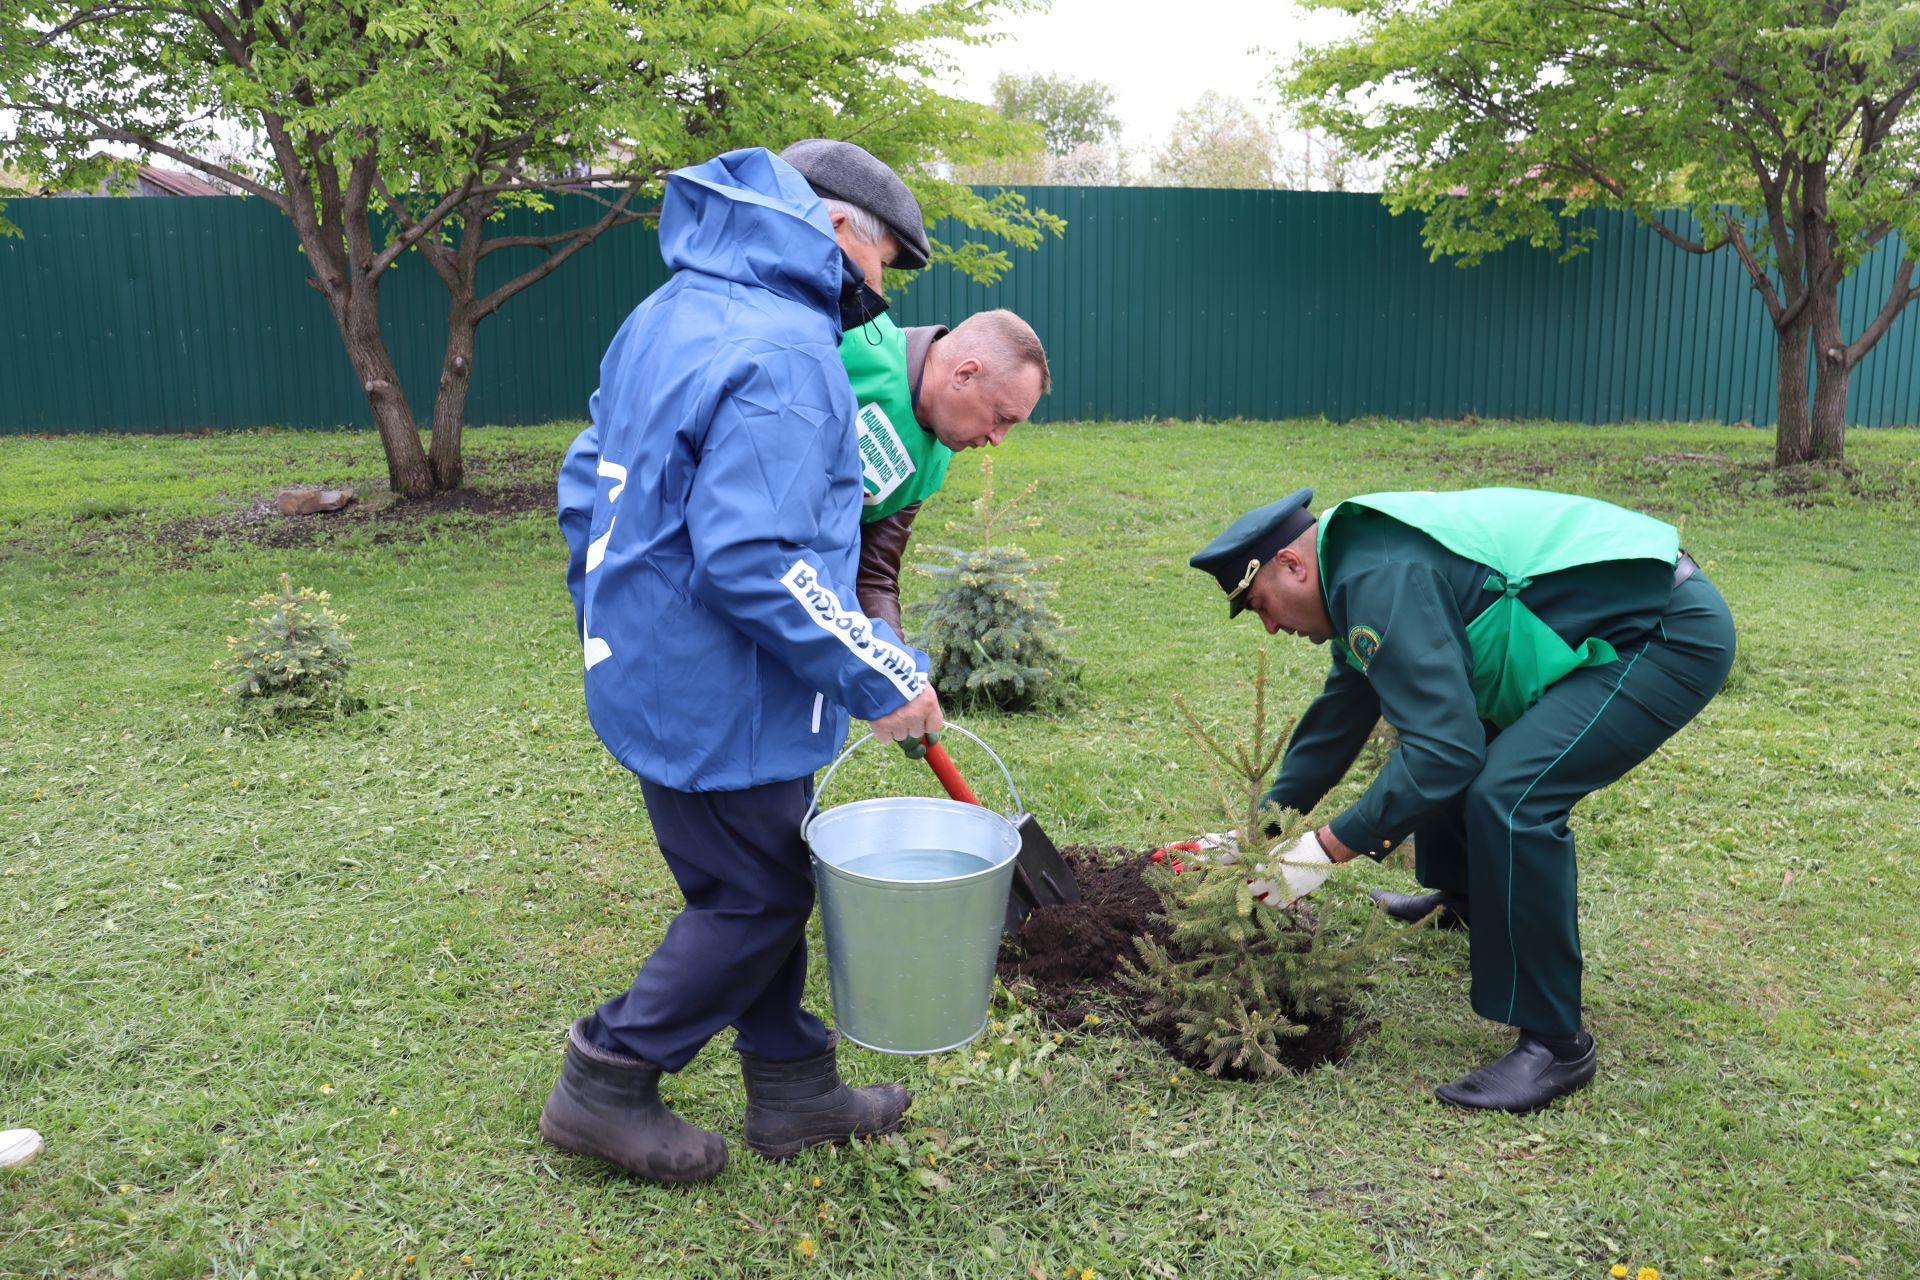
712, 517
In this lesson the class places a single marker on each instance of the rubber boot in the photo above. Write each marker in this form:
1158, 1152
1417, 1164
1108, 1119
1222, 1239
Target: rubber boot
803, 1103
607, 1105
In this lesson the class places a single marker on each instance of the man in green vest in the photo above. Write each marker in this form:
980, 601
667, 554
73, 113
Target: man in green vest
924, 393
1529, 648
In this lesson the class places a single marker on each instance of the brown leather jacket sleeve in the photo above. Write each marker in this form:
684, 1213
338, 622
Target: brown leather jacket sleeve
882, 543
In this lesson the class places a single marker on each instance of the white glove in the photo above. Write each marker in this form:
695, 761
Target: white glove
1303, 868
20, 1146
1224, 845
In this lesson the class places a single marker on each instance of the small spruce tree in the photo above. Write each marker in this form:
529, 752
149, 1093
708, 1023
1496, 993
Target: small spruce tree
293, 656
1238, 976
994, 639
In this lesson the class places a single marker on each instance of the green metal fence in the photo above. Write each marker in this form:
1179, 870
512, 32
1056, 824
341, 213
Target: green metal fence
180, 314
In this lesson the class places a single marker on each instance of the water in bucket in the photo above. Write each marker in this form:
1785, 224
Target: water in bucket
916, 865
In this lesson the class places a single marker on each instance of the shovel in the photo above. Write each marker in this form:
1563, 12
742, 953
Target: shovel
1041, 876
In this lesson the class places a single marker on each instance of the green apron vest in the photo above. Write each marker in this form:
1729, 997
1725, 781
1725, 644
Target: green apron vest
1520, 534
901, 461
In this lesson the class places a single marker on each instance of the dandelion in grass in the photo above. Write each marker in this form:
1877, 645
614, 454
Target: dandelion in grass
806, 1248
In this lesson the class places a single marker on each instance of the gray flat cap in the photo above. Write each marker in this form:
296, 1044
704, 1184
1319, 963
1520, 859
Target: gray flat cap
843, 171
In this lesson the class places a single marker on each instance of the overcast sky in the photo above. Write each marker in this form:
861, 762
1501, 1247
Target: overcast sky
1156, 57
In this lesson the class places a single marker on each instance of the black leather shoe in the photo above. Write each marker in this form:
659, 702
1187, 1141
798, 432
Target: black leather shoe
1525, 1079
1417, 906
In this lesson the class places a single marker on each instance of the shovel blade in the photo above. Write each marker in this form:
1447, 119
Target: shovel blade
1041, 877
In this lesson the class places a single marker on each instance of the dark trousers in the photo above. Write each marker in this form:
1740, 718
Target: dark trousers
736, 955
1504, 842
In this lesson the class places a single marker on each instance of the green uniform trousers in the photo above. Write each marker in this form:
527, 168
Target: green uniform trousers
1504, 842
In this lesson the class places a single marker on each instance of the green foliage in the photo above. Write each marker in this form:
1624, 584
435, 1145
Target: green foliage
1070, 113
292, 656
1237, 976
993, 637
1076, 135
439, 96
1786, 127
440, 114
1701, 103
1217, 142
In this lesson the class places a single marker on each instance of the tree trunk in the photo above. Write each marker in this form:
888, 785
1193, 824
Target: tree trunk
1832, 370
407, 467
450, 402
1832, 378
1793, 438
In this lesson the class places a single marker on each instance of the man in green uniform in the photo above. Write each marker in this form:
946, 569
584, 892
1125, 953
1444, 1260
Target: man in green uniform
924, 393
1529, 648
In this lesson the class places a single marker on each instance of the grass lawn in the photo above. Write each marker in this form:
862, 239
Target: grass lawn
289, 1005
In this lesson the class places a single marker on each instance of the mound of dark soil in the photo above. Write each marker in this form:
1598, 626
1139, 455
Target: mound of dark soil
502, 484
1070, 954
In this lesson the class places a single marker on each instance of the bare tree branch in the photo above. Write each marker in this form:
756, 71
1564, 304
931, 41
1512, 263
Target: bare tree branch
493, 301
436, 256
1898, 296
431, 220
1782, 316
99, 13
103, 132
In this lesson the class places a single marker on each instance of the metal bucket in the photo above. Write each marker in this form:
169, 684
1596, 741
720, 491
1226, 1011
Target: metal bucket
911, 950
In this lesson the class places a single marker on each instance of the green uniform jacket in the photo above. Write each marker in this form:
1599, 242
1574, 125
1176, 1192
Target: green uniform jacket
1401, 604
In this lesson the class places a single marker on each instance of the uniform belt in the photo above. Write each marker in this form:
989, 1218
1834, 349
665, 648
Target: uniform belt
1685, 568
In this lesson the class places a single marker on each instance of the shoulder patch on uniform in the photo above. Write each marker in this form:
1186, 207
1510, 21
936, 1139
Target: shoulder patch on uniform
1365, 642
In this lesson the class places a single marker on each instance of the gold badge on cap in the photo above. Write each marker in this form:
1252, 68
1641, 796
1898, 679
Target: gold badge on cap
1246, 579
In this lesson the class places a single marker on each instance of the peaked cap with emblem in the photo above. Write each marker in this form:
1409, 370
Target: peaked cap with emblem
848, 172
1247, 543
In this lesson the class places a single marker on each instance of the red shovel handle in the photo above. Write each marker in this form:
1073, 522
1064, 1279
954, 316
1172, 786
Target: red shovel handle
949, 776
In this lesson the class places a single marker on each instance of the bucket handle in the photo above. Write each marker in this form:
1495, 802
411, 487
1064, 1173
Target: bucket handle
813, 805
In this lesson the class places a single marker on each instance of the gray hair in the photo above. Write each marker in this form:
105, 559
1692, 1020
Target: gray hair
1003, 342
867, 228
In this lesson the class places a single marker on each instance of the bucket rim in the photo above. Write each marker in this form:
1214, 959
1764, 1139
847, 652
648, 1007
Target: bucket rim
814, 810
973, 812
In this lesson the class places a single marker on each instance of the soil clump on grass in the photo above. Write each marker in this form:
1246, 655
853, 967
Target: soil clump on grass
1070, 955
501, 484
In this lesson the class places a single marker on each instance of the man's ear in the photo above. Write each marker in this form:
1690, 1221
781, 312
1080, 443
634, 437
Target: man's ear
966, 371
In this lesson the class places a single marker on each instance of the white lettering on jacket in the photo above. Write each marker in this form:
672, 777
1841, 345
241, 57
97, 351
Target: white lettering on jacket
596, 650
852, 630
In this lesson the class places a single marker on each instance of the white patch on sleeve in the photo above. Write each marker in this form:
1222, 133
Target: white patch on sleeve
597, 650
819, 702
597, 549
885, 463
852, 630
618, 474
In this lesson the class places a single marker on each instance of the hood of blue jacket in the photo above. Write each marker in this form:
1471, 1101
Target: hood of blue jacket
749, 217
